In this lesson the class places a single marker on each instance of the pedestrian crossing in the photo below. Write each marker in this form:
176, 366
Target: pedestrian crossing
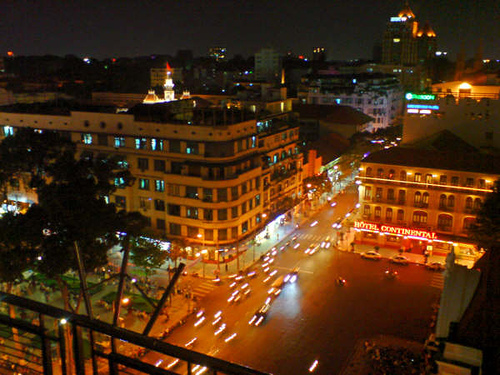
313, 237
202, 289
437, 280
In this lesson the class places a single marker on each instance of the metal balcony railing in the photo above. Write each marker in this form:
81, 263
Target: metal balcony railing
41, 339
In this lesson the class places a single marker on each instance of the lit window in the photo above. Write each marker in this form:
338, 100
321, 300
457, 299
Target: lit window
143, 184
87, 138
157, 144
140, 143
119, 141
8, 130
119, 182
159, 185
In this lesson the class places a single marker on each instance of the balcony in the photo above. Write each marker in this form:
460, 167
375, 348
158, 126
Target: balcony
50, 346
445, 208
471, 211
421, 205
444, 228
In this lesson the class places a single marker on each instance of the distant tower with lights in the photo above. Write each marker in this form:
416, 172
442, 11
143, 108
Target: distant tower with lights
319, 54
168, 87
168, 90
404, 43
218, 53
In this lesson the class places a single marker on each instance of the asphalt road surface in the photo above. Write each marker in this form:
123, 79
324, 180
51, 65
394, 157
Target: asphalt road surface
313, 318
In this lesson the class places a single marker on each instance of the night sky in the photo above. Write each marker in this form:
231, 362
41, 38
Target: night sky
347, 28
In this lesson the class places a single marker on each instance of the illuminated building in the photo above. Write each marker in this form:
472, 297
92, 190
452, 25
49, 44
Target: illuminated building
424, 198
168, 90
377, 95
267, 65
211, 172
218, 53
471, 112
158, 76
404, 43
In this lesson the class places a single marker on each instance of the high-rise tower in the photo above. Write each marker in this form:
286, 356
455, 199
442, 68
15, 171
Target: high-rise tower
404, 43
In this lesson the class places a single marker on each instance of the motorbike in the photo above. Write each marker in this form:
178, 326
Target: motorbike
341, 281
391, 274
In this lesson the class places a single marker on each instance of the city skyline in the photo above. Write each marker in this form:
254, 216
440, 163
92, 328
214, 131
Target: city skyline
132, 28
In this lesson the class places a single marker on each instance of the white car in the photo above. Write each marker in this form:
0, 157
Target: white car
399, 259
372, 254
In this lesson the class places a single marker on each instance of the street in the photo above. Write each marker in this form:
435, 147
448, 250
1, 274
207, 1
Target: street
313, 318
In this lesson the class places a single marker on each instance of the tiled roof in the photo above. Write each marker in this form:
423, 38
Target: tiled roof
330, 146
435, 159
443, 140
335, 114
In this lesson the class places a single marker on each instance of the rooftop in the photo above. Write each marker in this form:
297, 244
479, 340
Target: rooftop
336, 114
56, 108
434, 159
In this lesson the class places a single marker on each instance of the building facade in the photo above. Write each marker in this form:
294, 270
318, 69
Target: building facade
471, 112
405, 42
205, 178
267, 65
423, 200
377, 95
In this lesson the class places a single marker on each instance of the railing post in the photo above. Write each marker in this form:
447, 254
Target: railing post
46, 354
78, 349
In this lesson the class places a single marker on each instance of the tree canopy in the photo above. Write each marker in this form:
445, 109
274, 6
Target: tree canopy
72, 205
486, 230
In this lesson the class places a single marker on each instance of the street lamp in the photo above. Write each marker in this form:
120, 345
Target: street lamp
203, 253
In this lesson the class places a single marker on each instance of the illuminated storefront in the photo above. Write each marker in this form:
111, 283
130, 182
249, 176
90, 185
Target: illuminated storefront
415, 240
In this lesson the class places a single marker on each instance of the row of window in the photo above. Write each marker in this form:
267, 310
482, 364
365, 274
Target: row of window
428, 178
158, 144
419, 218
284, 154
208, 234
194, 191
145, 203
421, 198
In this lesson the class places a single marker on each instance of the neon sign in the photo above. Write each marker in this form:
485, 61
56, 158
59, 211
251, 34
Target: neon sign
392, 229
398, 19
412, 96
422, 106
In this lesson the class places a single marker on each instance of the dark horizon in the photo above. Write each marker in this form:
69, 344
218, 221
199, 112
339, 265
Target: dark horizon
128, 28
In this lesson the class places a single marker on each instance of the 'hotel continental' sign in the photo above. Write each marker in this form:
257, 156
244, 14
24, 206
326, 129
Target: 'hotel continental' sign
391, 229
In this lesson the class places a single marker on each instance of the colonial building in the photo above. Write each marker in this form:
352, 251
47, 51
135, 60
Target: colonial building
204, 177
424, 198
377, 95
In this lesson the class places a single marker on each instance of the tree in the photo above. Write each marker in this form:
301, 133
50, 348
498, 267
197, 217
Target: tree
486, 230
147, 254
72, 202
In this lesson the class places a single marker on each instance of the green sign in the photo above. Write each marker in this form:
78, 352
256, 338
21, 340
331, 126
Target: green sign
412, 96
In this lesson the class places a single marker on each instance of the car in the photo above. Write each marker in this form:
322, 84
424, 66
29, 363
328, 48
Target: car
312, 249
279, 282
292, 276
372, 254
260, 315
435, 266
337, 224
399, 259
